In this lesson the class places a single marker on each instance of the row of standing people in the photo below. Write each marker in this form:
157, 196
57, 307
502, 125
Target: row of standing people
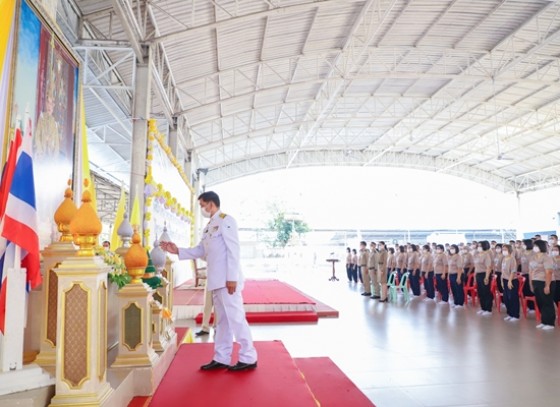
533, 259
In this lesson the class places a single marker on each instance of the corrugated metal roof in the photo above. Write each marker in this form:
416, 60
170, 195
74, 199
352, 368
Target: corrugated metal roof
467, 87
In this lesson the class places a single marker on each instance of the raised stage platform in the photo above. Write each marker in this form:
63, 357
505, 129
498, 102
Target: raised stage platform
264, 300
311, 382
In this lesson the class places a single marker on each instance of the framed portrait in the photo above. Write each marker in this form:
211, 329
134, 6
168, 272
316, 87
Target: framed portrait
45, 82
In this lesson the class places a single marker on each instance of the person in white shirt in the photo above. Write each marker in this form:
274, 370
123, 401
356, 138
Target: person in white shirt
219, 247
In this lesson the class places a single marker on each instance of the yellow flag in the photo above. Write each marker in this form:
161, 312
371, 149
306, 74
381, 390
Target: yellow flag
6, 17
119, 217
85, 155
135, 214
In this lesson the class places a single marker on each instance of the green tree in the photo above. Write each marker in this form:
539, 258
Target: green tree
285, 225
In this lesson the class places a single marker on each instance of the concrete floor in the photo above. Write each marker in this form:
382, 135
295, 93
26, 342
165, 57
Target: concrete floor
421, 353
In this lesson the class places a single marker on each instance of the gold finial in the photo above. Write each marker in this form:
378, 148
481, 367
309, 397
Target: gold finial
136, 258
65, 213
85, 225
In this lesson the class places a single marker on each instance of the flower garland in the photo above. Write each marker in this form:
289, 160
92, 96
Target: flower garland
155, 190
119, 275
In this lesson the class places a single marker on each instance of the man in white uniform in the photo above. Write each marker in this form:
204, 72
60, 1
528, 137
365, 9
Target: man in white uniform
219, 247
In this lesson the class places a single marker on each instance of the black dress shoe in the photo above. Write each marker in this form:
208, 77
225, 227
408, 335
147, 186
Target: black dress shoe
239, 366
376, 297
202, 332
214, 365
385, 300
368, 294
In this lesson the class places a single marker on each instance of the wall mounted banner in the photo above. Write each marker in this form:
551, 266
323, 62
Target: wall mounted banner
44, 90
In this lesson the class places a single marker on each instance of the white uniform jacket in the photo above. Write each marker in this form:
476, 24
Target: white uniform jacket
219, 247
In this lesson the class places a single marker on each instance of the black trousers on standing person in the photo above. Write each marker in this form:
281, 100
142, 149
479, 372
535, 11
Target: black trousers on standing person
414, 279
429, 284
484, 293
442, 287
349, 272
511, 297
355, 274
545, 302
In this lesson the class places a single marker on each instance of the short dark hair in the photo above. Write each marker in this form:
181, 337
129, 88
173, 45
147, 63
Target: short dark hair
541, 244
426, 247
440, 247
485, 245
210, 196
528, 244
363, 243
554, 236
454, 246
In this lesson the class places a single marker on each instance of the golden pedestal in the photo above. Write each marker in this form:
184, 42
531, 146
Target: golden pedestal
53, 256
135, 348
167, 272
81, 352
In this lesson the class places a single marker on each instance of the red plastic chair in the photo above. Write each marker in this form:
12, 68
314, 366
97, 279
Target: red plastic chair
498, 296
525, 299
470, 288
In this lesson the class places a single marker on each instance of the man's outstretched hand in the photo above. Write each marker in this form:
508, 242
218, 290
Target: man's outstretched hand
169, 247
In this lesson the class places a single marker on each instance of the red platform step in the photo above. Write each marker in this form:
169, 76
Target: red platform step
271, 317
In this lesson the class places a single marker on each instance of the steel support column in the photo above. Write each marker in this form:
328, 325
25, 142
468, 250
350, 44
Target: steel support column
141, 111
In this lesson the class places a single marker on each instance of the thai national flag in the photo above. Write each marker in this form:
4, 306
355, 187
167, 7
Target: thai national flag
19, 218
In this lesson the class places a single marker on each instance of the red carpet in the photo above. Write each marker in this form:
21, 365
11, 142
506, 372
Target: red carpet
181, 332
272, 317
331, 387
273, 292
276, 382
254, 292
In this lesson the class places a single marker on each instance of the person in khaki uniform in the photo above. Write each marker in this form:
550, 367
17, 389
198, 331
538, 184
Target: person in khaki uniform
363, 262
382, 257
372, 268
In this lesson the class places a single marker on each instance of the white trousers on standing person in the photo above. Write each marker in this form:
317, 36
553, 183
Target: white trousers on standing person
207, 313
232, 324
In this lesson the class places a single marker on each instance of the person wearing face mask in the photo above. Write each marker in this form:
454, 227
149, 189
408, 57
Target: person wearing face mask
552, 241
427, 269
219, 246
555, 255
468, 263
413, 268
483, 270
382, 272
373, 264
540, 272
455, 270
510, 283
401, 262
525, 256
363, 262
440, 270
498, 256
349, 266
356, 273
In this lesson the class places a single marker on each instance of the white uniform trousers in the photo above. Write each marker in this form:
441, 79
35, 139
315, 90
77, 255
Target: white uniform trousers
231, 324
208, 304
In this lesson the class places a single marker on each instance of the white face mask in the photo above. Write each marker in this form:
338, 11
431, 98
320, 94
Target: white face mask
204, 212
409, 250
439, 251
536, 249
498, 250
452, 251
555, 252
524, 247
480, 249
506, 253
